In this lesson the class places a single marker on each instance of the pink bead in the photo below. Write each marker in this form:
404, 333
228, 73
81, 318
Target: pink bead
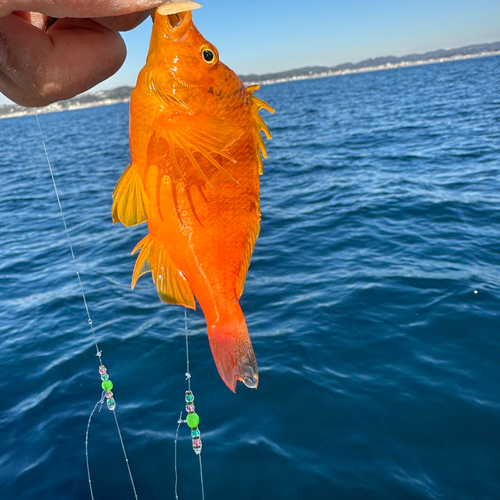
196, 443
190, 408
109, 395
102, 370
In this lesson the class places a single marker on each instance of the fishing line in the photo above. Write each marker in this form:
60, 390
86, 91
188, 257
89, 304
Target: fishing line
106, 384
179, 422
188, 374
192, 420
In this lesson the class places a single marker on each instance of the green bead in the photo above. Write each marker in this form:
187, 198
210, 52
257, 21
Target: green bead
111, 402
105, 377
193, 420
107, 385
189, 399
195, 433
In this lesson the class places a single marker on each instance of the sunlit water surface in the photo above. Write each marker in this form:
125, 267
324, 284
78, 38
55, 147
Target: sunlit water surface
372, 301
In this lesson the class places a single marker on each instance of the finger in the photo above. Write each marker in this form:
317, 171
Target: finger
40, 67
123, 23
78, 8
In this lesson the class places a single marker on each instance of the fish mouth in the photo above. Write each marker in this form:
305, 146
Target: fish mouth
178, 28
175, 25
175, 28
175, 20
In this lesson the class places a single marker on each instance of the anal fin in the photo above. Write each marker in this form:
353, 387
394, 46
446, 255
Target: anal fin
171, 285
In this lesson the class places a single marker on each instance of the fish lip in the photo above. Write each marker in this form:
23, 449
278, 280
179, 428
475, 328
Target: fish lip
159, 92
182, 82
172, 71
167, 98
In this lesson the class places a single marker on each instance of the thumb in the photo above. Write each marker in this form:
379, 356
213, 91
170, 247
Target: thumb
38, 67
78, 8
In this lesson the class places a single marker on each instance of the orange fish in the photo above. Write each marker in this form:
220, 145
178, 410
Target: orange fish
196, 145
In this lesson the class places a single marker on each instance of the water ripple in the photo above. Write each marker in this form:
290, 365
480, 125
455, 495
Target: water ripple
371, 299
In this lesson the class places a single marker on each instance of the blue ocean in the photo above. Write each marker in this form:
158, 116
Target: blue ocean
372, 301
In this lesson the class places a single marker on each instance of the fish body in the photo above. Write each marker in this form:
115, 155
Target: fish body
196, 154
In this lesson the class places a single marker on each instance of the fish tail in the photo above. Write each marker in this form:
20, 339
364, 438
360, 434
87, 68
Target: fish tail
233, 353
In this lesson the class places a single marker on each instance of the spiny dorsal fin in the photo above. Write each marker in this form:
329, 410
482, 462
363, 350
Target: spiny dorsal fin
129, 200
259, 125
254, 223
208, 137
170, 283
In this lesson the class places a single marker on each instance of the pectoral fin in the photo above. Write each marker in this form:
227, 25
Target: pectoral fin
129, 200
170, 283
210, 137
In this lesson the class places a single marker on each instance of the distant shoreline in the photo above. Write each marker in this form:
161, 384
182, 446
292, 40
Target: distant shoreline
369, 69
122, 94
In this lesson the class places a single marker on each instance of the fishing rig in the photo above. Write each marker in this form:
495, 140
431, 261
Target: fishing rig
107, 396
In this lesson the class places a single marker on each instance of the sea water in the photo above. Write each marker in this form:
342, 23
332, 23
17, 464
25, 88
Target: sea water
372, 300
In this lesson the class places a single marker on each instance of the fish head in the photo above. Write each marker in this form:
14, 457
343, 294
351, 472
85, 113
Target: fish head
183, 65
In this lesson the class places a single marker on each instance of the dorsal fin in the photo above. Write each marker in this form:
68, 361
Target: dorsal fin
252, 233
259, 125
254, 222
171, 284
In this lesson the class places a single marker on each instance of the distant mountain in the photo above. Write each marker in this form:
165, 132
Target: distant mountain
388, 62
122, 94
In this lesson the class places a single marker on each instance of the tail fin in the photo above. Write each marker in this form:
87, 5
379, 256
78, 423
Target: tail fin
233, 354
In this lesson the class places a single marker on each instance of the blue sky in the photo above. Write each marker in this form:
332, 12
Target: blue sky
262, 36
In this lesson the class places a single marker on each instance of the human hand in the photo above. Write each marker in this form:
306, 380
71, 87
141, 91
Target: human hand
82, 48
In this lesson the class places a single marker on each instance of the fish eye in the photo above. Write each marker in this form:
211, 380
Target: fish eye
209, 55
